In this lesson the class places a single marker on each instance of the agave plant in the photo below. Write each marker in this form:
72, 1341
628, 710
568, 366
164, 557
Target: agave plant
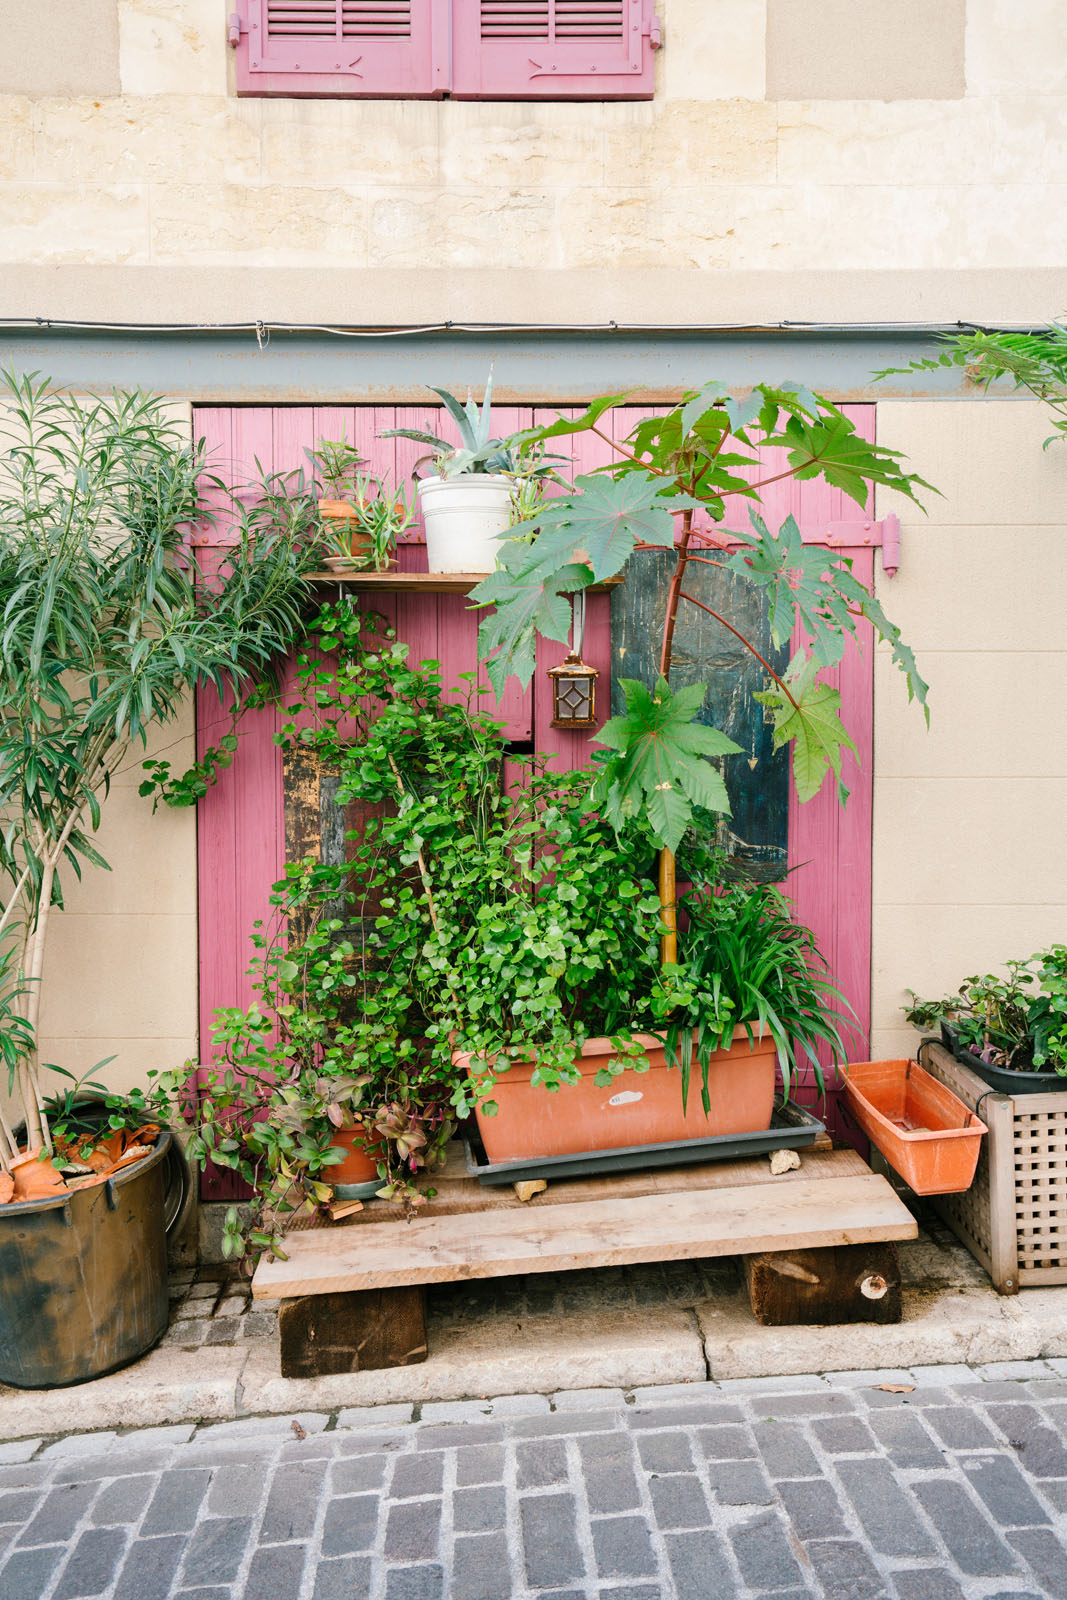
477, 451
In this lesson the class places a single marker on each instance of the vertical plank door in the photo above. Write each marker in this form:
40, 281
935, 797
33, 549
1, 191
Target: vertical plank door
241, 822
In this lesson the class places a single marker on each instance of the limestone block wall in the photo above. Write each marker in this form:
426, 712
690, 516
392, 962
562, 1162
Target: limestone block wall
792, 136
969, 864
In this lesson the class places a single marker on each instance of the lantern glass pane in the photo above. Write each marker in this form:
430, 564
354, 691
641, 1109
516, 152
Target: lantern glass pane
573, 698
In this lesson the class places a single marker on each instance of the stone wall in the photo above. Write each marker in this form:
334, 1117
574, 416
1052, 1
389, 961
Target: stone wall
786, 135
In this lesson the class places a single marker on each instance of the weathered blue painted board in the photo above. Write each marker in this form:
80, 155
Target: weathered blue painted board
755, 837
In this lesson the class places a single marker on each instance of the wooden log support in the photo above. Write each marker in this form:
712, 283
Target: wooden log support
356, 1331
842, 1283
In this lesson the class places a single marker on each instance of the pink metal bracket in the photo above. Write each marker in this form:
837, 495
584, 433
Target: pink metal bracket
890, 544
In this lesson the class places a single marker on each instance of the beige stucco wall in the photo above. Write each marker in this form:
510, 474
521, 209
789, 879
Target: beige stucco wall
969, 863
135, 186
946, 155
121, 967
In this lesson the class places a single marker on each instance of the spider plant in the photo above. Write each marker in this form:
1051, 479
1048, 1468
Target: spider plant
749, 963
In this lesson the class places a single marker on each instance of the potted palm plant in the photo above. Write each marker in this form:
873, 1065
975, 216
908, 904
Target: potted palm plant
108, 626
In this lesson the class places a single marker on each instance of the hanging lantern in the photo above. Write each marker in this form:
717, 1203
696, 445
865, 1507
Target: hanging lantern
573, 683
573, 693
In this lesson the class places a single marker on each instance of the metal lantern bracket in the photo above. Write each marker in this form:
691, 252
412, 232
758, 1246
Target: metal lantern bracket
573, 681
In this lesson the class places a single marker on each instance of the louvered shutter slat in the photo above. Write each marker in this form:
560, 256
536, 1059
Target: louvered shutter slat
551, 49
383, 48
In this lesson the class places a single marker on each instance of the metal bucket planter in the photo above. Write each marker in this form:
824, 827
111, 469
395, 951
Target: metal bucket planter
83, 1278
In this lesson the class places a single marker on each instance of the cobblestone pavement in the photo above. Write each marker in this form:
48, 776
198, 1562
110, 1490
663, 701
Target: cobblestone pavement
929, 1485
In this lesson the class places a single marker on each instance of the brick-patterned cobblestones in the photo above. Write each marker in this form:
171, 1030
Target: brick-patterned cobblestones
953, 1490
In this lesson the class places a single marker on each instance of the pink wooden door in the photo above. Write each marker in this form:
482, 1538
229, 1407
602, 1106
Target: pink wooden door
241, 824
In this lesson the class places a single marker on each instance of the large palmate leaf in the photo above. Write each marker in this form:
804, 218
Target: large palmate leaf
599, 523
714, 396
659, 765
527, 603
566, 425
832, 449
605, 517
809, 716
809, 583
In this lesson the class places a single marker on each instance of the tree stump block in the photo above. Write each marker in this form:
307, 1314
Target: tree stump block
357, 1331
841, 1283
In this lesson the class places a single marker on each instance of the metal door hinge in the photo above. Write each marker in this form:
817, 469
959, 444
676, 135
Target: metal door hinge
235, 26
655, 32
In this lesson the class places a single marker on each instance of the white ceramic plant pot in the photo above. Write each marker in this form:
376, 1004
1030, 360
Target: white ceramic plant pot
464, 518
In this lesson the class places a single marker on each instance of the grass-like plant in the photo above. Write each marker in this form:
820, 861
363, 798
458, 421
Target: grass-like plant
748, 963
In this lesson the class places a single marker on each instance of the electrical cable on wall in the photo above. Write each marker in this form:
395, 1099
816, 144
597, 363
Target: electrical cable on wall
261, 329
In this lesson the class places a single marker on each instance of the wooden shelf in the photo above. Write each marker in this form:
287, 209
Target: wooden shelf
423, 582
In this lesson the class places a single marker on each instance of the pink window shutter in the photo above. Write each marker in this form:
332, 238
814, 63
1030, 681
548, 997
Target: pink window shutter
553, 49
349, 48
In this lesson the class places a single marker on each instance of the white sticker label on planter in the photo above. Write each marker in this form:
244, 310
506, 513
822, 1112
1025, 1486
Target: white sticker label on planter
626, 1098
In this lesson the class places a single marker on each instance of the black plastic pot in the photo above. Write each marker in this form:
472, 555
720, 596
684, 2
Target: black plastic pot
1003, 1079
83, 1277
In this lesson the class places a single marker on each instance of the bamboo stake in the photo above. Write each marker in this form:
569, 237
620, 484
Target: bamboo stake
668, 945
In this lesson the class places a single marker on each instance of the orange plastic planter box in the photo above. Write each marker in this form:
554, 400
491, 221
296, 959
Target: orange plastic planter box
925, 1133
635, 1109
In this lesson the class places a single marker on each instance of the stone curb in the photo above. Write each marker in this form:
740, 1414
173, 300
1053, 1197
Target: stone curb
901, 1387
632, 1352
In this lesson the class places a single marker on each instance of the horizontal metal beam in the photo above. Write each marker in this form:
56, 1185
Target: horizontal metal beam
274, 366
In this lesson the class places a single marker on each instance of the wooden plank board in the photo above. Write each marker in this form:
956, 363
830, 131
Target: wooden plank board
424, 582
458, 1192
810, 1213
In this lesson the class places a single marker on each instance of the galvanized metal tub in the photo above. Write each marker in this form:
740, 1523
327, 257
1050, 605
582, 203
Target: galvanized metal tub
83, 1278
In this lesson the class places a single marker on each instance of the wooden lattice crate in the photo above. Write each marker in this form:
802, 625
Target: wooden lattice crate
1013, 1218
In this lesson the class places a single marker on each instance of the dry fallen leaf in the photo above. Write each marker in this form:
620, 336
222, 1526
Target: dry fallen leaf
301, 1432
895, 1388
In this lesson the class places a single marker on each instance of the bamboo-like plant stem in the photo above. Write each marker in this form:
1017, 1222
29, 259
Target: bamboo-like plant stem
37, 1131
11, 1152
668, 945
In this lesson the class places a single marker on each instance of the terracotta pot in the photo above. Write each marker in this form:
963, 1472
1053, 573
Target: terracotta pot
357, 1167
638, 1108
924, 1131
35, 1179
339, 512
